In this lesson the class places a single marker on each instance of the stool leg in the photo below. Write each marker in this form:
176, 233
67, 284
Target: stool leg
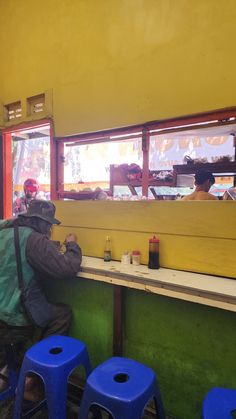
13, 378
9, 391
159, 405
85, 361
90, 403
19, 394
56, 396
7, 352
84, 406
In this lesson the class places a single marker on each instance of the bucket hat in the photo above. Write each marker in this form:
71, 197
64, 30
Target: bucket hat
41, 209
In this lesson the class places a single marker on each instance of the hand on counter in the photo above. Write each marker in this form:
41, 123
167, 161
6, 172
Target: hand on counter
71, 238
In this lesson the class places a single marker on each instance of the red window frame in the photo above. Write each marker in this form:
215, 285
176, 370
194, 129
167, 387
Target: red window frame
6, 166
218, 117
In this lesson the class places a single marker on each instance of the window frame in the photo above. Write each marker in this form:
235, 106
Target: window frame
208, 119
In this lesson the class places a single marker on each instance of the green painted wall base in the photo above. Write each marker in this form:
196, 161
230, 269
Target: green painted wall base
92, 305
190, 346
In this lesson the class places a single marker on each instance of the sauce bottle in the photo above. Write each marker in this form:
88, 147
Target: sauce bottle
107, 250
153, 262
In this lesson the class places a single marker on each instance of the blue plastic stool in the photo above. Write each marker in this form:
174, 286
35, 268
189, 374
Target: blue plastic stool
122, 387
12, 378
219, 403
52, 359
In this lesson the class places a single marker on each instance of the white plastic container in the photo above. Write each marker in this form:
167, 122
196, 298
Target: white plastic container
125, 258
136, 256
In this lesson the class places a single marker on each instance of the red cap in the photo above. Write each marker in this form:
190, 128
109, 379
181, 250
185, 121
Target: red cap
154, 239
136, 252
31, 185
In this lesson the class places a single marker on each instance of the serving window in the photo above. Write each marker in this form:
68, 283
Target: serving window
138, 162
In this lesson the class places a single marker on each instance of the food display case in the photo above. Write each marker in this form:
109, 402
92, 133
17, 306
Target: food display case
131, 176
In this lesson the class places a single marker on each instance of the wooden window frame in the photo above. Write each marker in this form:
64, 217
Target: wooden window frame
6, 165
209, 119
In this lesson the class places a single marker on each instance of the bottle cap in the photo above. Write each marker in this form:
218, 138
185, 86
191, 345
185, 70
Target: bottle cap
154, 239
136, 252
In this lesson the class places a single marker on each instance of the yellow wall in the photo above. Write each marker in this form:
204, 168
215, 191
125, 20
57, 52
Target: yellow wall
118, 62
198, 236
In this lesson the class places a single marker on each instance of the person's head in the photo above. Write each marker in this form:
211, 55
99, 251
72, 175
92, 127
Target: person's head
40, 215
204, 180
31, 188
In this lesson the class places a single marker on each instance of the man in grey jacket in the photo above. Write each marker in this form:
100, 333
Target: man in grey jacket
40, 258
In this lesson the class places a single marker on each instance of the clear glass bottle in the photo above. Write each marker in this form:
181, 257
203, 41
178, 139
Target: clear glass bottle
107, 250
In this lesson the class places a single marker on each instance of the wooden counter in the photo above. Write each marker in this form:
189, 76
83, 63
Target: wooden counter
179, 323
209, 290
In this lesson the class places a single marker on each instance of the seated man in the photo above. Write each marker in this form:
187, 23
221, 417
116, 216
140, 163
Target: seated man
23, 304
203, 182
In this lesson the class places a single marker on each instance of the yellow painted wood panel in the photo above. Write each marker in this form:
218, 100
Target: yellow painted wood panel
116, 63
203, 218
190, 253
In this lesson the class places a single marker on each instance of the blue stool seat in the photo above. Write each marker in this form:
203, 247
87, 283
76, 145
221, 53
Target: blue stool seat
219, 403
52, 359
122, 387
12, 376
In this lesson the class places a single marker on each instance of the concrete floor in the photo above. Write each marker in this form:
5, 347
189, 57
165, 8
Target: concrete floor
6, 412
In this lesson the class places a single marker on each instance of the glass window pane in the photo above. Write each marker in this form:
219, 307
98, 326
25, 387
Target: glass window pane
88, 165
166, 151
30, 159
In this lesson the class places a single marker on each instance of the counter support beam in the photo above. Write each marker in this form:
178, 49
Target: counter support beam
117, 320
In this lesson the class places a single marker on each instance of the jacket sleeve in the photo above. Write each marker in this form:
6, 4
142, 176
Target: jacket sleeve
45, 258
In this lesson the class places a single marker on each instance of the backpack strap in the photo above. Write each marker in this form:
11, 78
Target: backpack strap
18, 260
20, 275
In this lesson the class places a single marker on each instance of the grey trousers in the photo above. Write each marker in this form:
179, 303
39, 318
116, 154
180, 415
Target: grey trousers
58, 324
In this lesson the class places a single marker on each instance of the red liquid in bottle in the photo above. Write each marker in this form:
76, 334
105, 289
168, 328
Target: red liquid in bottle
153, 262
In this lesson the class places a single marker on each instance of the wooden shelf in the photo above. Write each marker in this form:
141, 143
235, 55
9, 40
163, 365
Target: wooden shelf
119, 178
192, 168
152, 182
80, 196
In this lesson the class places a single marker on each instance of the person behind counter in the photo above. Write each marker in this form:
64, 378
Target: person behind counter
203, 182
40, 258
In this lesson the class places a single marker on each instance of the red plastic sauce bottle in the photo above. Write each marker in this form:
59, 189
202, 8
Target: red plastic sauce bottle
153, 262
